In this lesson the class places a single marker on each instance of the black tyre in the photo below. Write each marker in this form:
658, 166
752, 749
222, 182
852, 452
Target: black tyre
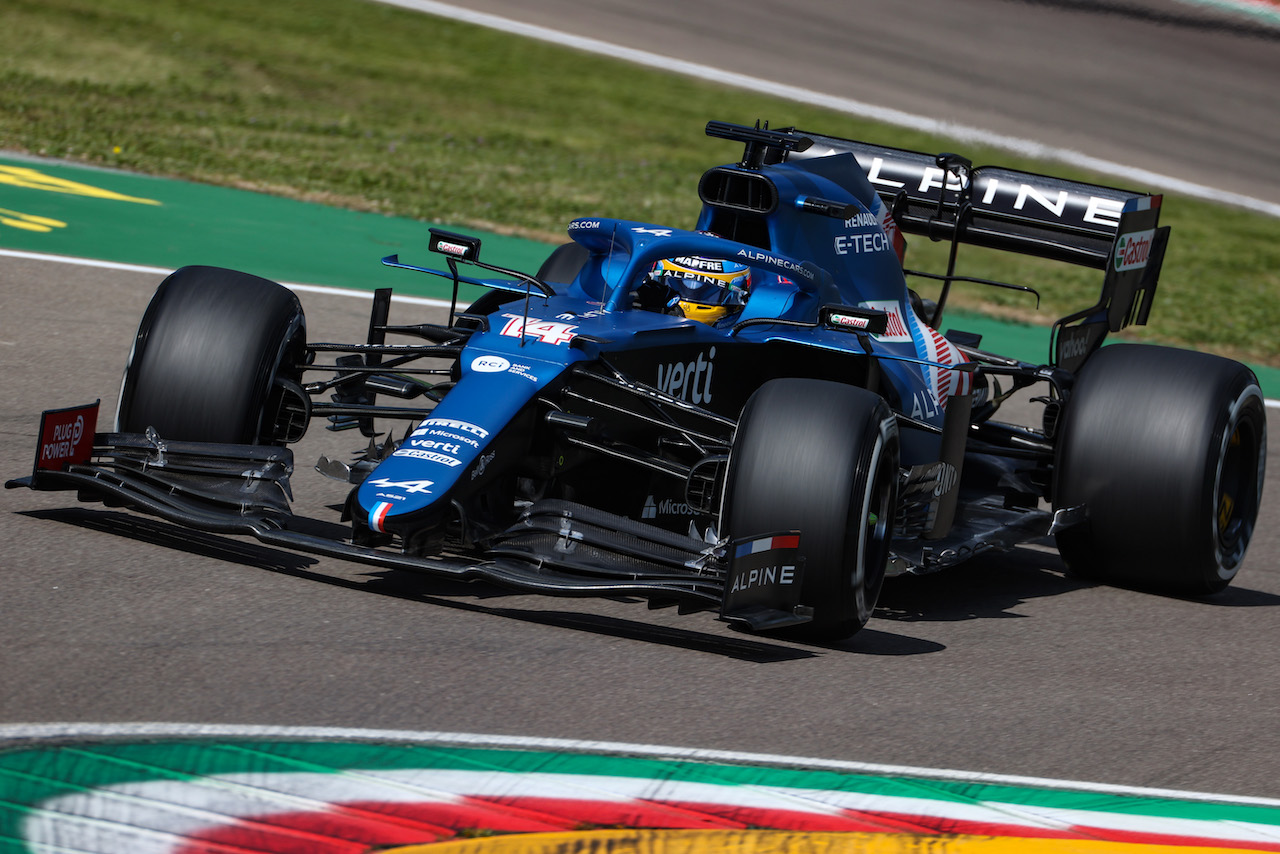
1166, 449
207, 355
821, 458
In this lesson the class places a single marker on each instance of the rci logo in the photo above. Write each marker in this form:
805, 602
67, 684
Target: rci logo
490, 364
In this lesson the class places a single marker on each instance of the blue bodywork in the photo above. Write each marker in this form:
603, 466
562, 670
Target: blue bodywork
813, 260
593, 430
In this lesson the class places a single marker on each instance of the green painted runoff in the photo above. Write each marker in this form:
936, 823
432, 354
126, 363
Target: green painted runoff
59, 209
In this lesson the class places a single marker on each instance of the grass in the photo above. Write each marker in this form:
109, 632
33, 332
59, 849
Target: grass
374, 108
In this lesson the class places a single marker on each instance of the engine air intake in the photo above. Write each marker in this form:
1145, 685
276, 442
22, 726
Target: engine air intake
738, 190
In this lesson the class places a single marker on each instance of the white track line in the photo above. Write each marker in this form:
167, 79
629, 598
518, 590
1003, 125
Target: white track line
1266, 11
164, 271
17, 733
1027, 147
312, 289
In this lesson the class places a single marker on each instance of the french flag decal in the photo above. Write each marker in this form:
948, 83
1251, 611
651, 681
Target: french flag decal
764, 544
378, 515
764, 582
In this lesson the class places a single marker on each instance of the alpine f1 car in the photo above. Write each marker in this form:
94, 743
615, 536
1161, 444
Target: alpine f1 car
756, 416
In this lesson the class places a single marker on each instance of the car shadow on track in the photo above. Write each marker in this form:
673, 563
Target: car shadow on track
989, 587
409, 586
1241, 597
159, 533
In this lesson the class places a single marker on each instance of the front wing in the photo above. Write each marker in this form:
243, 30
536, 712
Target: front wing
555, 547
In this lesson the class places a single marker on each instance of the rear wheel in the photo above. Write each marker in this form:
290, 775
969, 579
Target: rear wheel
209, 356
1166, 450
821, 458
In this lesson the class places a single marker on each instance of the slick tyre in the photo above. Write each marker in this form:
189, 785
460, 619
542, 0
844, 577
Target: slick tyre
207, 357
1166, 450
821, 458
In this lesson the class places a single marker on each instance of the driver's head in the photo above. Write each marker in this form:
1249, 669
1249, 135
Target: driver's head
705, 289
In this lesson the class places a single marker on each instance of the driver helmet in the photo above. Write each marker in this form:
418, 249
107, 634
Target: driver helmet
705, 289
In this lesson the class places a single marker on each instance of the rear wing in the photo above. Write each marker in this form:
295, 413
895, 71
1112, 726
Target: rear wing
943, 197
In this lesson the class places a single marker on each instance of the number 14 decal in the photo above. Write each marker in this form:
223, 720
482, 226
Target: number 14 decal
546, 331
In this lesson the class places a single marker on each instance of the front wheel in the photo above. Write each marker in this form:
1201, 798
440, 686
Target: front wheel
209, 356
1166, 451
821, 458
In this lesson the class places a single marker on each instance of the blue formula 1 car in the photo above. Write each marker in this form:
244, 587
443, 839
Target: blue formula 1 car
755, 417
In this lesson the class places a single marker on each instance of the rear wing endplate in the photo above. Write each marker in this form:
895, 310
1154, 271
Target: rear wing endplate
1133, 271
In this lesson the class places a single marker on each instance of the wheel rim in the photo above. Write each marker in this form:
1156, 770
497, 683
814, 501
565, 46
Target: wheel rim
876, 525
1236, 494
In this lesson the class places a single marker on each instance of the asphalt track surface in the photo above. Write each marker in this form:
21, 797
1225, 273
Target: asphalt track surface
1177, 89
1005, 666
